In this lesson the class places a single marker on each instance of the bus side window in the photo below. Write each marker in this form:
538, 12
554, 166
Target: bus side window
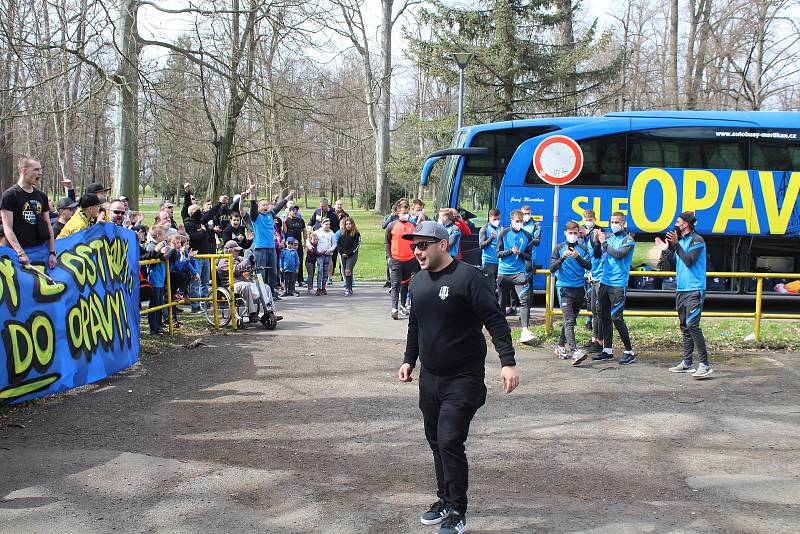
685, 148
603, 162
775, 155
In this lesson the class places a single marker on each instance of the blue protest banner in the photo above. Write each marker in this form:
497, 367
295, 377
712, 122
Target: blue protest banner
72, 325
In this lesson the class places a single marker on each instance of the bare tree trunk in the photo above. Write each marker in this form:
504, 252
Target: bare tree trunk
382, 111
504, 26
126, 119
244, 47
673, 53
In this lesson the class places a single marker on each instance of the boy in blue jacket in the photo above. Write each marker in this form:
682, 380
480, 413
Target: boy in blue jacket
290, 264
157, 275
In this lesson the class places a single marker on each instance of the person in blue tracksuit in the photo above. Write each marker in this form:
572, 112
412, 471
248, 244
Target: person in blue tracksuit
487, 241
570, 261
514, 246
447, 219
618, 247
590, 232
535, 229
690, 252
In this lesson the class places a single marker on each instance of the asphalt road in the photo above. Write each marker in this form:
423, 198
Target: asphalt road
306, 429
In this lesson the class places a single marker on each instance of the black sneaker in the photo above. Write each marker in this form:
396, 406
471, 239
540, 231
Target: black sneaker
592, 347
602, 356
627, 358
434, 515
453, 523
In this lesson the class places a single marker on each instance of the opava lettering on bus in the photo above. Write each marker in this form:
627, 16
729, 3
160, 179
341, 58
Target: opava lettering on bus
736, 202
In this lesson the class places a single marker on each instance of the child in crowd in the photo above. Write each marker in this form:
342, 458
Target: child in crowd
184, 268
290, 264
326, 246
157, 275
311, 259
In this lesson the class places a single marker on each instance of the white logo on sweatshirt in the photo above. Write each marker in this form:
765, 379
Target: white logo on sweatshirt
444, 292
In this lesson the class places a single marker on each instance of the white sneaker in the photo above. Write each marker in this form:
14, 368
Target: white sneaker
703, 371
526, 336
578, 356
682, 368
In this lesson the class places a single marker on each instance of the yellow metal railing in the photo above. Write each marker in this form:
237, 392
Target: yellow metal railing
757, 314
212, 298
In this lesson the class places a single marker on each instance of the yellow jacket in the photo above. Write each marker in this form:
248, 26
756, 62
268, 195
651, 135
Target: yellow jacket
79, 221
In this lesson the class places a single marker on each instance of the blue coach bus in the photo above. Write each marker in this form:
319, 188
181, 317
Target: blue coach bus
739, 171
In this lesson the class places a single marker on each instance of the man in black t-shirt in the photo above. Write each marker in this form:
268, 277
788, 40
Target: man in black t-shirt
294, 226
236, 231
451, 305
25, 213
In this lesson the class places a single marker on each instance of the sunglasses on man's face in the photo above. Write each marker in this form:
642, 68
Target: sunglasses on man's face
119, 212
422, 245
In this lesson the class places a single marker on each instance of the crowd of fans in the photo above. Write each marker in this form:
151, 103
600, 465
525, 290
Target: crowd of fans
269, 237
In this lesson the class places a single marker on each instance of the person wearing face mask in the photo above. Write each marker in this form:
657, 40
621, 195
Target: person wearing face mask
690, 251
402, 264
447, 220
535, 229
514, 249
618, 248
487, 241
418, 211
590, 232
569, 262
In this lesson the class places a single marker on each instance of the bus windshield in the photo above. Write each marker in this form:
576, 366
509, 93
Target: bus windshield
447, 177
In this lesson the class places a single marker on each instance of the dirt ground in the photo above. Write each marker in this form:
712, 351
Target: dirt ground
286, 434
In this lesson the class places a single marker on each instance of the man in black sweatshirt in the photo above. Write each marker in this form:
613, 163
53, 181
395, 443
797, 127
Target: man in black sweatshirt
452, 303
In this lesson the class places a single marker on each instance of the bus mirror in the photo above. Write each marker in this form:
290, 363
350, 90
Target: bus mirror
426, 169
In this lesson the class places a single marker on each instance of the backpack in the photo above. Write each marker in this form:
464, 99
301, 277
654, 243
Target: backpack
643, 282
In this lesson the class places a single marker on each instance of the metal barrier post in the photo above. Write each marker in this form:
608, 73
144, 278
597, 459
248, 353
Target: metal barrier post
548, 305
214, 302
234, 313
759, 290
169, 298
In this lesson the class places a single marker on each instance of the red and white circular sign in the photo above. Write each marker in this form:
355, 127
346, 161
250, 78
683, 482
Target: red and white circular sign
558, 160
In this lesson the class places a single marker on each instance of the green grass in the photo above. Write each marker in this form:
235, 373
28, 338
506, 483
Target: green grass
662, 334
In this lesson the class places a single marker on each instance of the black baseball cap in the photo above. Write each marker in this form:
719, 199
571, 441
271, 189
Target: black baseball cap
96, 188
89, 200
429, 229
66, 203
